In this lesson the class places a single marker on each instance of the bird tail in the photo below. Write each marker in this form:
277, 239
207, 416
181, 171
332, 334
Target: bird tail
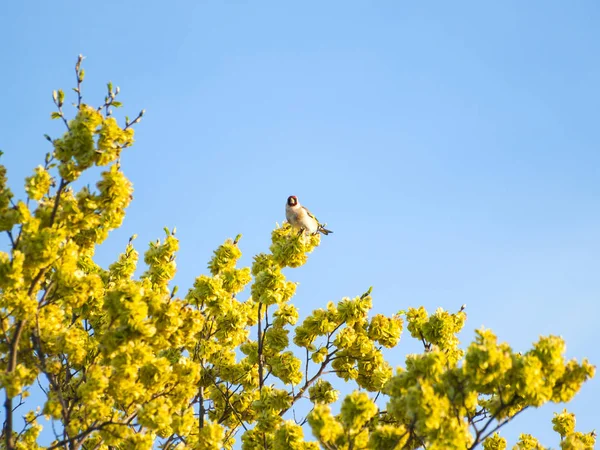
324, 230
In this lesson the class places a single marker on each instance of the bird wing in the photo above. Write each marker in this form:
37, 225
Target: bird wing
310, 214
320, 226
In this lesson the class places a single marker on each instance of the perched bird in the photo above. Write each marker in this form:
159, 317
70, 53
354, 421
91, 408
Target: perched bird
300, 217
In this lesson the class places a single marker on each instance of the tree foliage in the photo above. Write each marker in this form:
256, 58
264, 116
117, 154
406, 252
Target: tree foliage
125, 363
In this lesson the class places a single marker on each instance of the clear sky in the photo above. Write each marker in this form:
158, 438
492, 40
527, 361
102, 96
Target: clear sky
452, 147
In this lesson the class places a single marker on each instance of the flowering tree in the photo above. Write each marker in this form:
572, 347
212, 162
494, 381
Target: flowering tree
126, 363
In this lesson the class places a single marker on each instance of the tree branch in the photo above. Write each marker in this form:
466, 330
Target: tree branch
260, 349
8, 403
14, 342
84, 434
308, 383
61, 187
479, 438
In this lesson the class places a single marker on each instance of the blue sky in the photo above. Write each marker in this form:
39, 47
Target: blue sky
452, 147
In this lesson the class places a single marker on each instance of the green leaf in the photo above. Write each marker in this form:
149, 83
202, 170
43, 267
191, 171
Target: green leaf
55, 115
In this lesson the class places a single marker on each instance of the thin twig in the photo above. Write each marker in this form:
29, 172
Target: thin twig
12, 241
237, 415
500, 425
79, 80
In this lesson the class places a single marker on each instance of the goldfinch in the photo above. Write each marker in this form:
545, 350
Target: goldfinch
301, 218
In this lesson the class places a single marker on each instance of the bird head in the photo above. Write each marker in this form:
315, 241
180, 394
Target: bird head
292, 200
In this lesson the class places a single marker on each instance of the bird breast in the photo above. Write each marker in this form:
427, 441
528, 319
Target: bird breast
294, 214
299, 218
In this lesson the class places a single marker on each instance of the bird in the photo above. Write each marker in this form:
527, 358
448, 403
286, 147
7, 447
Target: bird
300, 217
